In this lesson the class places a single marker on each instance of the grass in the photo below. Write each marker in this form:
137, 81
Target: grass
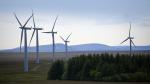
11, 72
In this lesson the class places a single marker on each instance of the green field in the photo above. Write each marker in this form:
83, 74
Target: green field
11, 72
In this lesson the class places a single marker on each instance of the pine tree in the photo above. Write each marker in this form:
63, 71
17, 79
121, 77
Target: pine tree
56, 70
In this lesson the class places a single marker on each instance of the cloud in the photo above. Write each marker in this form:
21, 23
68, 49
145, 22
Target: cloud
101, 21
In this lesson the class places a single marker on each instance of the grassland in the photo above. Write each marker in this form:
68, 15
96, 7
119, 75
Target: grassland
11, 70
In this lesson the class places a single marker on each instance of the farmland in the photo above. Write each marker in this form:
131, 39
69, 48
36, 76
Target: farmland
11, 70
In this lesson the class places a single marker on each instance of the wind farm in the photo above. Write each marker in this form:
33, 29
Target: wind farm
75, 42
36, 63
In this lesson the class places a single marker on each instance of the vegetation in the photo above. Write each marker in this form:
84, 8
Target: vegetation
11, 72
56, 70
103, 67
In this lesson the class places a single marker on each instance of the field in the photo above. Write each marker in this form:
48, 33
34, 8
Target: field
11, 70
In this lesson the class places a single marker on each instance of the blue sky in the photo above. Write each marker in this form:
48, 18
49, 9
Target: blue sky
90, 21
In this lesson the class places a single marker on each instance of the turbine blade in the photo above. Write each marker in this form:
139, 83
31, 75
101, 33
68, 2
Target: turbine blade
32, 36
17, 20
124, 40
21, 39
68, 36
133, 43
54, 23
33, 19
62, 38
27, 21
130, 29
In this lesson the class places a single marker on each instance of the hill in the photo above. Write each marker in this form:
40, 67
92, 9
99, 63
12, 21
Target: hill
81, 47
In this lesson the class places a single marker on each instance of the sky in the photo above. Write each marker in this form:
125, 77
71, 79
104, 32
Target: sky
90, 21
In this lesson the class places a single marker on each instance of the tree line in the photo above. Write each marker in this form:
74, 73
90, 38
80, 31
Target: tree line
102, 67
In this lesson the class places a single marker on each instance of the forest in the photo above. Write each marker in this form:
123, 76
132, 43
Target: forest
102, 67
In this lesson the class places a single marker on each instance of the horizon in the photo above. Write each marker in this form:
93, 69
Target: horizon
78, 45
90, 21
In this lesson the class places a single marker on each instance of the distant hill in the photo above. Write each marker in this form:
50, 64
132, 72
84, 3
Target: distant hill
82, 47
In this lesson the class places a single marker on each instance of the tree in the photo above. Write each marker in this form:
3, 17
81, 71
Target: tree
56, 70
85, 73
103, 67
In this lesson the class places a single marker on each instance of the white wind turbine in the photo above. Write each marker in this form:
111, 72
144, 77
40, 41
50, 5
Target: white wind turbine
35, 30
24, 31
53, 38
130, 40
66, 44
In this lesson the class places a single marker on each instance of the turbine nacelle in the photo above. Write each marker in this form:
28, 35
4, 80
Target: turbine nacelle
51, 32
37, 28
131, 37
27, 28
66, 41
54, 32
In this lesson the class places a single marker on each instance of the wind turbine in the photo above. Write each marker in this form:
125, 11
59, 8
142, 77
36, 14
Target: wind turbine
66, 44
35, 30
130, 40
53, 38
24, 31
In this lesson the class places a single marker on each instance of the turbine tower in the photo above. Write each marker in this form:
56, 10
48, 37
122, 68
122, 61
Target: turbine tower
130, 40
66, 44
35, 30
53, 38
24, 31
